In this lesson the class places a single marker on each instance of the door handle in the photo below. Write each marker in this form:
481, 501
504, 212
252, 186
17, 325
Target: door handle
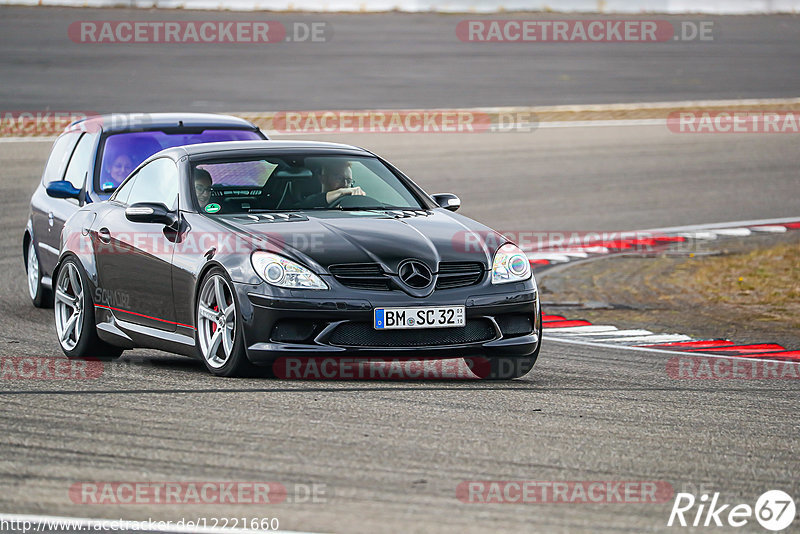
50, 219
104, 235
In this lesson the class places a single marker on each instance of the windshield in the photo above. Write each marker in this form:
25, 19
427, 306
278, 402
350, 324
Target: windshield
299, 182
123, 152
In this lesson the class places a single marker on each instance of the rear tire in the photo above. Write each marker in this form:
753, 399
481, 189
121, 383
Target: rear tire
74, 315
219, 337
41, 297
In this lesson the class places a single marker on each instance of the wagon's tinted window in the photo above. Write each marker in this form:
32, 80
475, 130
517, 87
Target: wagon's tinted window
59, 156
123, 152
156, 182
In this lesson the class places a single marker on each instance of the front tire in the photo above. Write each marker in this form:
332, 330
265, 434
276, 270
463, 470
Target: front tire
74, 315
219, 338
41, 297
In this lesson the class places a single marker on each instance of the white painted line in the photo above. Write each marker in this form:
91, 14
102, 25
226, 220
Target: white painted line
60, 523
615, 332
591, 329
26, 139
575, 253
660, 351
549, 257
606, 123
596, 250
731, 224
650, 340
698, 235
770, 229
735, 232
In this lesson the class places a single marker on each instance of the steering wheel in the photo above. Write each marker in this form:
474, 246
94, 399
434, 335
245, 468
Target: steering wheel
355, 201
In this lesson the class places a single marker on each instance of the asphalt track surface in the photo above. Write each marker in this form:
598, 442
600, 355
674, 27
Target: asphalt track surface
385, 61
391, 454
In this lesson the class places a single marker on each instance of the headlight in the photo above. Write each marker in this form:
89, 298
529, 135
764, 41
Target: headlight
510, 265
281, 272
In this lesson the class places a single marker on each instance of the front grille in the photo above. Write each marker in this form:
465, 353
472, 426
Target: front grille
515, 324
452, 275
356, 334
361, 276
371, 276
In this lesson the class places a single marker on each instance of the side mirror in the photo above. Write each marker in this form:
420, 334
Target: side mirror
62, 189
447, 201
146, 212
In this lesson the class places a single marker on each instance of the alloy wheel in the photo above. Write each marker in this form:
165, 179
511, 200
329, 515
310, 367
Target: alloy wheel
33, 271
216, 321
69, 307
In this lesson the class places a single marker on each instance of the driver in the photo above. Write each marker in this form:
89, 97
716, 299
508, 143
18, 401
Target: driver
336, 178
202, 186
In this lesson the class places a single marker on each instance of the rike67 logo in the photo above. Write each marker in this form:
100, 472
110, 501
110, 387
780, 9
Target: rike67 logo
774, 510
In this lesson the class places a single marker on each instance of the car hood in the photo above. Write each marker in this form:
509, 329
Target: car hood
321, 239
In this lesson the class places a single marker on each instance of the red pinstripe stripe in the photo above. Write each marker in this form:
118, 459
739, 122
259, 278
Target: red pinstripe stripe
142, 315
564, 324
707, 344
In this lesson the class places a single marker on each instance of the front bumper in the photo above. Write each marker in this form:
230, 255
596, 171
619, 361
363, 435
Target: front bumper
324, 320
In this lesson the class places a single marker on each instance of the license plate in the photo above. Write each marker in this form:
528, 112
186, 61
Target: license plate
428, 317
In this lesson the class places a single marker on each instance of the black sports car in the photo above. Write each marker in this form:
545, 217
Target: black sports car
245, 252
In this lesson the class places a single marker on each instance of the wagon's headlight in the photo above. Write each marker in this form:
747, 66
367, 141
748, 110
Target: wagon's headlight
510, 265
281, 272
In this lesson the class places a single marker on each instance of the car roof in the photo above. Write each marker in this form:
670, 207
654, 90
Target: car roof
125, 122
248, 148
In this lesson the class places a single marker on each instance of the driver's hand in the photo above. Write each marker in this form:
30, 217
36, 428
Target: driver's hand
352, 191
336, 194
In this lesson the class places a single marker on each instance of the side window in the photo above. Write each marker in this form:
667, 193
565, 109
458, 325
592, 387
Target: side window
59, 156
80, 162
156, 182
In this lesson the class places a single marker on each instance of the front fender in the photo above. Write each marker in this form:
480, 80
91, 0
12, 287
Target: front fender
76, 241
